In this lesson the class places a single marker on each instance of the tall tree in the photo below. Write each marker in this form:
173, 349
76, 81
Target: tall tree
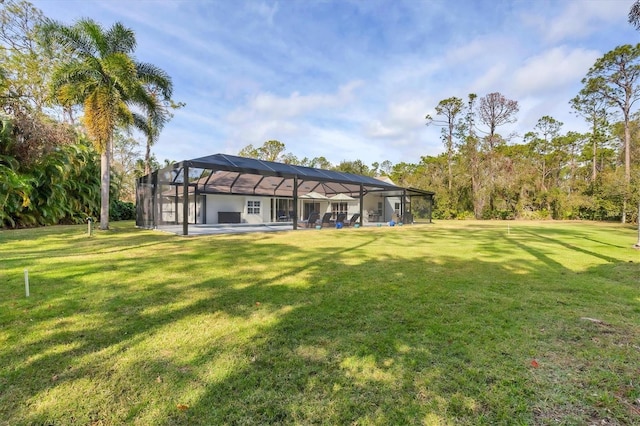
450, 110
547, 131
495, 110
271, 150
249, 151
634, 14
157, 117
356, 167
123, 165
106, 80
24, 62
471, 154
615, 77
320, 163
634, 18
385, 167
592, 106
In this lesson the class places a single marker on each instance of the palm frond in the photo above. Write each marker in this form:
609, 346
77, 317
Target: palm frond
121, 70
93, 33
120, 39
156, 77
141, 123
71, 38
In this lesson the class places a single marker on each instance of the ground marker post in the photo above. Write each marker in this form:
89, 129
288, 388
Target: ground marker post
26, 282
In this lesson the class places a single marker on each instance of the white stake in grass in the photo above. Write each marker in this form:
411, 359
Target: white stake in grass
26, 282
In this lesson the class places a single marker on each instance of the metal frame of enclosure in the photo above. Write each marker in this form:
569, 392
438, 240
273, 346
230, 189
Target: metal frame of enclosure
174, 195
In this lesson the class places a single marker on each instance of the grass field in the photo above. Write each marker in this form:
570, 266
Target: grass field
449, 323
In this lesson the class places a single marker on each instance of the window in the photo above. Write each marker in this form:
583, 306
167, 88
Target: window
337, 208
310, 207
253, 207
282, 209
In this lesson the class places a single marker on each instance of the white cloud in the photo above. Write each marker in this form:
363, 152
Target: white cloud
400, 119
581, 18
551, 70
264, 10
269, 106
491, 80
353, 79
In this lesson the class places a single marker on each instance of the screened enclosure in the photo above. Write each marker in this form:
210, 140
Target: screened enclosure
231, 190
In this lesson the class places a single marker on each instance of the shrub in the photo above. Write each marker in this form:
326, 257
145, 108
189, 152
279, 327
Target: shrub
122, 210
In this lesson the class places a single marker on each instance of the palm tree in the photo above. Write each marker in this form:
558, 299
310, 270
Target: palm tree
155, 120
108, 82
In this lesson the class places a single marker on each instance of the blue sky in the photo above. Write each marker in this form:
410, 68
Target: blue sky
354, 80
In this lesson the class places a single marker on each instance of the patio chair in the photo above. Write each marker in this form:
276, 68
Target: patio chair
341, 217
311, 221
326, 220
354, 219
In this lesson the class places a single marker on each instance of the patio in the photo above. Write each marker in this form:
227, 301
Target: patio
225, 193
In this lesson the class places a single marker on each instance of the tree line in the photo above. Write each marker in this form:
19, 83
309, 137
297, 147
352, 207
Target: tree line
547, 173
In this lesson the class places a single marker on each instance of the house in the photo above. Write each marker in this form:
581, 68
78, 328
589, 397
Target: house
227, 189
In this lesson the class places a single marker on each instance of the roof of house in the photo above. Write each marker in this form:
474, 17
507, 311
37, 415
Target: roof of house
230, 174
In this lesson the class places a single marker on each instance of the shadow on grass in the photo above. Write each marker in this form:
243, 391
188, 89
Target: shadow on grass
561, 241
363, 333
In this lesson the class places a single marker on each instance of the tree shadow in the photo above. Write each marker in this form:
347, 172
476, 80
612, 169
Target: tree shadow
364, 333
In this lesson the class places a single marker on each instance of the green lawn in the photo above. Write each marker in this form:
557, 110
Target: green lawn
449, 323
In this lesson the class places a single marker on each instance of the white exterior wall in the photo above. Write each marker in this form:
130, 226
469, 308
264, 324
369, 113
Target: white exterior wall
237, 203
374, 212
370, 206
222, 203
389, 209
265, 210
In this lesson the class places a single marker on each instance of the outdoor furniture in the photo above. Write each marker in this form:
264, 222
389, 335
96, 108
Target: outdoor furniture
311, 221
229, 217
326, 219
282, 216
354, 219
341, 217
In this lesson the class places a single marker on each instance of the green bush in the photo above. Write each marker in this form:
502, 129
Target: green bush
60, 185
122, 210
465, 215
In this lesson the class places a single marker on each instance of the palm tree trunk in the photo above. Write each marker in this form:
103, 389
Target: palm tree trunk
105, 168
147, 157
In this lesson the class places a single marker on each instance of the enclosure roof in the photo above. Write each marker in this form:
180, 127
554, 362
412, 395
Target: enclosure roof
272, 168
230, 174
267, 175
